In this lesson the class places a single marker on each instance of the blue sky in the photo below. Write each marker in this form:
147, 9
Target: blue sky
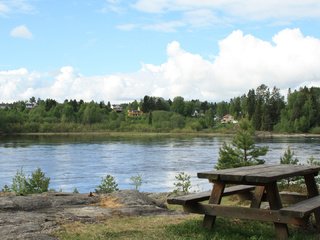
119, 51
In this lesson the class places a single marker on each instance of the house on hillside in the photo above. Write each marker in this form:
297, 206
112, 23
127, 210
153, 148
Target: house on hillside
5, 105
117, 108
135, 113
228, 119
30, 105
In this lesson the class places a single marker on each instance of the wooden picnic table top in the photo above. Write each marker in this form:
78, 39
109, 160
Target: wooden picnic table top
259, 174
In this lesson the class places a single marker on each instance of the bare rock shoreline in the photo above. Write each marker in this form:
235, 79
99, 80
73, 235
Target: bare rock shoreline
37, 216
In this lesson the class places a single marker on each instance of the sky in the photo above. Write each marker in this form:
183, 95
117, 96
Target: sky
122, 50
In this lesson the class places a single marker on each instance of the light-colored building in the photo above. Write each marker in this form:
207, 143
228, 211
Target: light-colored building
117, 108
228, 119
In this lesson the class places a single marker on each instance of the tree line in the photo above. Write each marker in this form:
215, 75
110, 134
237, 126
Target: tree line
265, 108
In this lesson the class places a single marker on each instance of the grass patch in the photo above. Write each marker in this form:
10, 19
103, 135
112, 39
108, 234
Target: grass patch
175, 227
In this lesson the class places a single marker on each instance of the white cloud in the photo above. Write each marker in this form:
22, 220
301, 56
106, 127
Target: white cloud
204, 13
250, 9
15, 6
112, 6
170, 26
21, 32
127, 27
244, 62
4, 9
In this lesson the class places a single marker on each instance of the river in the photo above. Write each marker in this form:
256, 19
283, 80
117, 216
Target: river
81, 161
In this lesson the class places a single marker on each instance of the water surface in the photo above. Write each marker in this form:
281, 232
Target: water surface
80, 162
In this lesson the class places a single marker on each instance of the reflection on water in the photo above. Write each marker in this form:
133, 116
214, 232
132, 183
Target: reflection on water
81, 161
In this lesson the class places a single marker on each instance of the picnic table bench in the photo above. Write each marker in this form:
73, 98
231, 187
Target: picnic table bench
256, 183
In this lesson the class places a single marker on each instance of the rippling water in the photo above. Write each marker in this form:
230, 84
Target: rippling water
81, 162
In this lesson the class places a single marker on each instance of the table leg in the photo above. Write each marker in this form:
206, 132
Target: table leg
257, 197
275, 204
313, 191
215, 198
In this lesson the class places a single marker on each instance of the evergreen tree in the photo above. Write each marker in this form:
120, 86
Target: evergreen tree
288, 158
242, 151
251, 103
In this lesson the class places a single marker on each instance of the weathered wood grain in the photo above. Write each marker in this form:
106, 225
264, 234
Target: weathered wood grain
202, 196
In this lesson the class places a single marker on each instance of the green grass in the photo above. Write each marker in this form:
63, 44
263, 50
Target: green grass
175, 227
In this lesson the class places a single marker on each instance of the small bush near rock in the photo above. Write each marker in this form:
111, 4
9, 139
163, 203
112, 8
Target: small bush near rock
6, 189
183, 183
136, 181
38, 183
108, 185
19, 183
22, 185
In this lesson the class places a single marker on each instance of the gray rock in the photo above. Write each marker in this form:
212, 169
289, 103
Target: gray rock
37, 216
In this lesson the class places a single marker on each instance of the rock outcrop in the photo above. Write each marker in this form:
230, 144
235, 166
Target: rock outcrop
37, 216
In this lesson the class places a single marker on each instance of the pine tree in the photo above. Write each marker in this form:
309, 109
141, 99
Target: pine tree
242, 150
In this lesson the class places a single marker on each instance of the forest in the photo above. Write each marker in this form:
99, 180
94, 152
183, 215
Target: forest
265, 108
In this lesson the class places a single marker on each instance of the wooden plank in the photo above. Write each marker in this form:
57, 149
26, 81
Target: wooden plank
195, 197
202, 196
215, 198
303, 208
232, 172
259, 173
292, 197
279, 172
241, 213
237, 189
313, 192
257, 197
274, 200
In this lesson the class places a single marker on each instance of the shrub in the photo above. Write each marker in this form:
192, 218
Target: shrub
38, 183
23, 185
288, 158
19, 183
6, 189
313, 162
315, 130
108, 185
183, 183
75, 190
136, 181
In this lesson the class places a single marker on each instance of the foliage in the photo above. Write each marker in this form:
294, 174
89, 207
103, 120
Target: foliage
22, 185
264, 107
38, 183
183, 183
19, 183
302, 112
288, 158
107, 185
242, 150
136, 181
313, 162
75, 190
6, 189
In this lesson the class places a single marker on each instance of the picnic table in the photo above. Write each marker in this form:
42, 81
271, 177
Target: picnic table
258, 183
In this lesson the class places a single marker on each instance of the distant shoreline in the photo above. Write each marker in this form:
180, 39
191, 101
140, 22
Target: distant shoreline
258, 134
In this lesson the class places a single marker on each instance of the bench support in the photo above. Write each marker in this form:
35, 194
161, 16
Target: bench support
274, 200
215, 198
257, 197
312, 192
